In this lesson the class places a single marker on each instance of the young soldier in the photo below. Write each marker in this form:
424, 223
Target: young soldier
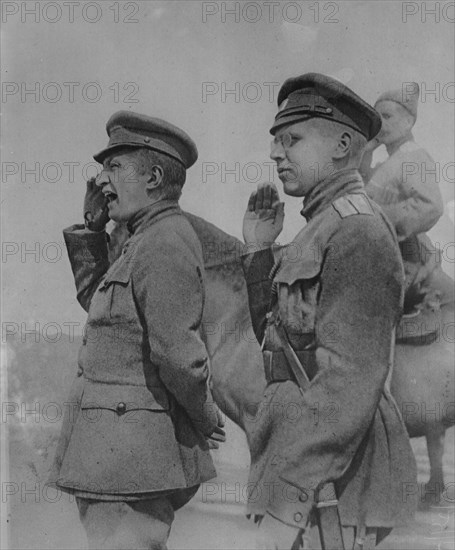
325, 311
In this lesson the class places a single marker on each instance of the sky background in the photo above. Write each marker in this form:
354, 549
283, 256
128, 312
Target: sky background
165, 60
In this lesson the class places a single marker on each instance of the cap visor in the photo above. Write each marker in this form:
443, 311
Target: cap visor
289, 119
99, 157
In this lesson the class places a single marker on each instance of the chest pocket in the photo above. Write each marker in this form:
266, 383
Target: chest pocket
115, 291
297, 285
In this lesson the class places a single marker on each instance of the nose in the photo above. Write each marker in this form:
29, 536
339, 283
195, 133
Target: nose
102, 179
277, 151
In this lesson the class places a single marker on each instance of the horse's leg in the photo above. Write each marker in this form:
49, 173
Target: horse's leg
435, 447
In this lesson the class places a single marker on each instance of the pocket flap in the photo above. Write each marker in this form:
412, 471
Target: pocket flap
119, 272
291, 271
124, 398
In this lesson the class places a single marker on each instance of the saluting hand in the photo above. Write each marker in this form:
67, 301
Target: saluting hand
96, 213
263, 220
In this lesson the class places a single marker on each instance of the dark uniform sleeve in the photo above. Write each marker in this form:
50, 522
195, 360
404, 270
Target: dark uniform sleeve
257, 267
422, 206
88, 255
169, 292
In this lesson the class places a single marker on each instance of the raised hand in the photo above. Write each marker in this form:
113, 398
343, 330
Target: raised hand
263, 220
95, 207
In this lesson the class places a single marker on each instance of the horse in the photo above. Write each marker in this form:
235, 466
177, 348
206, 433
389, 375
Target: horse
422, 382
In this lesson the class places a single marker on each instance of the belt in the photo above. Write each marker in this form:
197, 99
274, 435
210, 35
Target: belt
277, 369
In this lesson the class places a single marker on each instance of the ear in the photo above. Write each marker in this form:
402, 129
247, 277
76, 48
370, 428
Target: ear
343, 146
155, 179
410, 121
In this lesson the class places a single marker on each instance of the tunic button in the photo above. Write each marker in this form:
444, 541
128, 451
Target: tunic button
303, 497
121, 408
298, 517
147, 140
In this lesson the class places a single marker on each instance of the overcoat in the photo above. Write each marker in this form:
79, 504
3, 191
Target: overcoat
337, 290
142, 406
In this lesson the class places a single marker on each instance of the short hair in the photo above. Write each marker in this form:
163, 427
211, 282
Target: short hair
173, 170
331, 128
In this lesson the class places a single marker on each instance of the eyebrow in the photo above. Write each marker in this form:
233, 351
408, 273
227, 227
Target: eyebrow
110, 160
292, 133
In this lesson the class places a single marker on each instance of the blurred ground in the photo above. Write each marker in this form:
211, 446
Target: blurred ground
40, 518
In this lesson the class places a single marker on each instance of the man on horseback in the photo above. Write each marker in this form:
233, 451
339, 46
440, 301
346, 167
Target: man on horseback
325, 309
406, 187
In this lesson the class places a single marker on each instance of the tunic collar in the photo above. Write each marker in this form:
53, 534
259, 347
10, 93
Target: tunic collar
336, 185
149, 214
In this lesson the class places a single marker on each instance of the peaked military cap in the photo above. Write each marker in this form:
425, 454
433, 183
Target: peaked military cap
407, 97
126, 128
317, 95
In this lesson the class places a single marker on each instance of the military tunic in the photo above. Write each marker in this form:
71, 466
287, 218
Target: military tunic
337, 290
143, 404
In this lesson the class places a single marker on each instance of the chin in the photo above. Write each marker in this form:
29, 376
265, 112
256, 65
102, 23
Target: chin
117, 217
294, 188
385, 140
293, 192
114, 217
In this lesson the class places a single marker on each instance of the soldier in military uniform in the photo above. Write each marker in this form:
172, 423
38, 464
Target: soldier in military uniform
406, 187
134, 448
328, 302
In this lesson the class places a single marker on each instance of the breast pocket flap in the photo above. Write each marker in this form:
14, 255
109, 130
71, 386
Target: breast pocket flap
300, 269
118, 273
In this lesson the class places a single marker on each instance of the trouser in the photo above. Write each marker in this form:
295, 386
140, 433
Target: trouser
275, 535
134, 525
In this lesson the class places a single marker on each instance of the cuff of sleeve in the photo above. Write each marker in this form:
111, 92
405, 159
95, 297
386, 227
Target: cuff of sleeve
205, 418
77, 237
79, 230
291, 505
75, 233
